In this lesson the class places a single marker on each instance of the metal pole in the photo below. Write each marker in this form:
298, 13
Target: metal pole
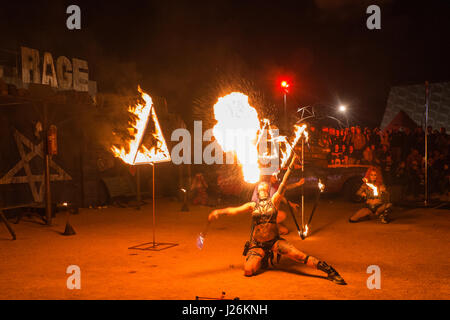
285, 111
154, 238
138, 187
426, 142
303, 175
48, 197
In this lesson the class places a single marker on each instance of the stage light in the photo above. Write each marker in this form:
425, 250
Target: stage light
284, 85
342, 108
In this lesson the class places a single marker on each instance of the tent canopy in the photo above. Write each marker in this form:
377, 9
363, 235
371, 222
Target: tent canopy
401, 120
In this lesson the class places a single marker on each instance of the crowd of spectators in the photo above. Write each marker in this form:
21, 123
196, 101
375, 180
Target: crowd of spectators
398, 153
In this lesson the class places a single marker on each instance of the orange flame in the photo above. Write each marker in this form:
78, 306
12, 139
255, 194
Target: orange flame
374, 188
237, 131
321, 186
305, 232
142, 155
299, 131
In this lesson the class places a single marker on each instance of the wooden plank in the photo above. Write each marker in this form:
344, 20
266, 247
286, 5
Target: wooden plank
10, 229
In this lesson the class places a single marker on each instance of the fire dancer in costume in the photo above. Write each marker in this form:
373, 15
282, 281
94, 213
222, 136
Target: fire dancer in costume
273, 187
265, 239
377, 199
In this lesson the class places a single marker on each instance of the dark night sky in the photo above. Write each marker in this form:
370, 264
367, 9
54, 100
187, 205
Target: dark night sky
177, 48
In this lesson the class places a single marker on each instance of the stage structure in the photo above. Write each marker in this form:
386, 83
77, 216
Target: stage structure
147, 148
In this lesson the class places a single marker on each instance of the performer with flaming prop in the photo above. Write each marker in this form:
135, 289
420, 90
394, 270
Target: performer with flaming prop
235, 115
377, 199
265, 239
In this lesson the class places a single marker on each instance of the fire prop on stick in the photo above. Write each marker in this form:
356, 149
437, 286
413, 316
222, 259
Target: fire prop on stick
321, 188
201, 237
239, 131
299, 230
137, 152
300, 133
373, 187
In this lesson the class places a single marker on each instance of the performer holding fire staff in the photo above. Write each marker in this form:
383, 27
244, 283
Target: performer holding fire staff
273, 187
265, 239
377, 199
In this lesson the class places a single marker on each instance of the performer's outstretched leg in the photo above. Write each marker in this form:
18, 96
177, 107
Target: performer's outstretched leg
253, 261
286, 249
361, 214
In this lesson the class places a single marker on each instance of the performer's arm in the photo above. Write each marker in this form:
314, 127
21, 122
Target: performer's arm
299, 183
362, 191
231, 211
276, 198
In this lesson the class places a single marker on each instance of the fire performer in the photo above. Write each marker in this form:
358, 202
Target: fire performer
265, 239
377, 199
273, 187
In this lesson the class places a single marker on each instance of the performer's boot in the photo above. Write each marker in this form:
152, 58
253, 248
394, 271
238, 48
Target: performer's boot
333, 275
384, 217
265, 262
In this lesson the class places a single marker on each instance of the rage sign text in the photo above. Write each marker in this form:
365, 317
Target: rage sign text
65, 74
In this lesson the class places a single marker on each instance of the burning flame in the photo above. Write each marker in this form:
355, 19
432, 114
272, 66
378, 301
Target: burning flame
299, 131
305, 232
237, 131
321, 186
374, 189
137, 154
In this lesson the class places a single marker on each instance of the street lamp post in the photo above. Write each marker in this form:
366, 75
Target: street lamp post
285, 110
343, 109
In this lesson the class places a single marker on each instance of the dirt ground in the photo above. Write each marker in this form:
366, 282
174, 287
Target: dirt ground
412, 253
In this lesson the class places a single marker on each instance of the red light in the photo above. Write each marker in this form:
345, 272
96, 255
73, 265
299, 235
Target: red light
285, 86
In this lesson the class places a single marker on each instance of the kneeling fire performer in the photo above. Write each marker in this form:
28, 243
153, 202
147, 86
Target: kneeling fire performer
265, 239
377, 199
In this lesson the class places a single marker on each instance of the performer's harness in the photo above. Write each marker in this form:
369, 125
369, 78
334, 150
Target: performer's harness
370, 196
258, 219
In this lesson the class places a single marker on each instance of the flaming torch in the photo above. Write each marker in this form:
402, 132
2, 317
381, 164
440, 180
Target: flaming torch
374, 188
299, 132
321, 188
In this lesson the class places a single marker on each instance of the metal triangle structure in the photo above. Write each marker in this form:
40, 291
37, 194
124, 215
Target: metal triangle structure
160, 153
305, 113
138, 153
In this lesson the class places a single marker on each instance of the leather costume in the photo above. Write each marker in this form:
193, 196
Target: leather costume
264, 212
370, 195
